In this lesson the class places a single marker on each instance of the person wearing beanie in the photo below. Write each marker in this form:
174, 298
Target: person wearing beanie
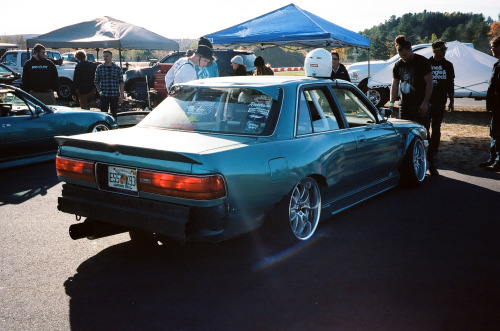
261, 68
184, 70
238, 66
210, 70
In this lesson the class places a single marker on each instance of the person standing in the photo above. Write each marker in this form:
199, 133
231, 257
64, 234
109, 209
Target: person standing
109, 82
443, 81
84, 80
184, 70
339, 71
413, 72
261, 68
40, 78
493, 106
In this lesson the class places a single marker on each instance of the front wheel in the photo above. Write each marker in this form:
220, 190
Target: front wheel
304, 208
378, 96
99, 126
414, 165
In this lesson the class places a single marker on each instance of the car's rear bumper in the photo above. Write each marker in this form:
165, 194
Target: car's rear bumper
173, 221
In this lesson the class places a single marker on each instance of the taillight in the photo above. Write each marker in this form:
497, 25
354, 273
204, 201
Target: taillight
188, 187
77, 169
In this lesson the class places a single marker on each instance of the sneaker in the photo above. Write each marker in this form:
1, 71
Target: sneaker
495, 167
486, 164
433, 171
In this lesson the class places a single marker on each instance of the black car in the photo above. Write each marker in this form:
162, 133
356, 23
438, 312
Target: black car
8, 76
223, 59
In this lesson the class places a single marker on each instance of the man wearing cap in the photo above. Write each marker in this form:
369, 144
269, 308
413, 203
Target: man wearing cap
443, 87
184, 70
210, 70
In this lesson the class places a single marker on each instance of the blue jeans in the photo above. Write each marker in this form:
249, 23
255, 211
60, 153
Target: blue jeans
109, 102
495, 150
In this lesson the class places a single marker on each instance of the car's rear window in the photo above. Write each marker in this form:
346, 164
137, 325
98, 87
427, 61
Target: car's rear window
242, 111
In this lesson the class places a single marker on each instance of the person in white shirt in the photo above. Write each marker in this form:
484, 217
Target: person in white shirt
184, 70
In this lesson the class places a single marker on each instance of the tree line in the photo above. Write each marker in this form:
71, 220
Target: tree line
419, 28
427, 27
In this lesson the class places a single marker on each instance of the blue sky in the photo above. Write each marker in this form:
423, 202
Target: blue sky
191, 19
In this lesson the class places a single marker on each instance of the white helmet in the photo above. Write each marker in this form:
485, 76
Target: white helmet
318, 63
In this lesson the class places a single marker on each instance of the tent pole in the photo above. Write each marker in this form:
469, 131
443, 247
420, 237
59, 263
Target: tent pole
368, 63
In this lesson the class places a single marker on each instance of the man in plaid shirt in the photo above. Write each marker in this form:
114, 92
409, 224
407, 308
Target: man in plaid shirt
109, 83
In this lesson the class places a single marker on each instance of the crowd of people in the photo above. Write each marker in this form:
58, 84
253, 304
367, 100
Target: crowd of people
423, 86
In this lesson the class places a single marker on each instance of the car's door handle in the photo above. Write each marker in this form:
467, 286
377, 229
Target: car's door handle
361, 139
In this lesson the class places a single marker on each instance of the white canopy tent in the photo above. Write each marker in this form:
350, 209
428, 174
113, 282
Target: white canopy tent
472, 70
101, 33
104, 32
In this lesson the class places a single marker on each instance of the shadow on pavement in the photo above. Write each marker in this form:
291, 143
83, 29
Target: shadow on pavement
410, 259
23, 183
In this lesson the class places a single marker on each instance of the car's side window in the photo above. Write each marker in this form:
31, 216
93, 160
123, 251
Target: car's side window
354, 109
315, 110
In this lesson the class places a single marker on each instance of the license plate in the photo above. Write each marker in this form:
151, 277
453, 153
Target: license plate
122, 178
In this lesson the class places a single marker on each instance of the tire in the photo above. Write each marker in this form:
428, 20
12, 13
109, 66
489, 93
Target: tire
99, 126
378, 96
65, 89
414, 164
304, 209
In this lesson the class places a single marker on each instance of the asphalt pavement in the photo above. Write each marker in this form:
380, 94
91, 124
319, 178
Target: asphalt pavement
409, 259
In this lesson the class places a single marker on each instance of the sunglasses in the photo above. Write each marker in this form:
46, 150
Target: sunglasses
441, 49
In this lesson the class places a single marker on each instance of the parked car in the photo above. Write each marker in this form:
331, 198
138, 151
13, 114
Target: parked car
28, 127
219, 155
8, 76
223, 57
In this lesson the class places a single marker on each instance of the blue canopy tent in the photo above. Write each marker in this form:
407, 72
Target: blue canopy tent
289, 26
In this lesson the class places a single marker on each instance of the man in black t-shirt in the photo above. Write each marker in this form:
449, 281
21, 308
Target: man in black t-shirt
443, 80
413, 73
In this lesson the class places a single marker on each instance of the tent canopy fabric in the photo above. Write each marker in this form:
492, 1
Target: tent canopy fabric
289, 25
472, 70
104, 32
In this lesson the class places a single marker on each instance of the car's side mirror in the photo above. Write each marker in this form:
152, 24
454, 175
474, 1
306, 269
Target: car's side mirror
38, 110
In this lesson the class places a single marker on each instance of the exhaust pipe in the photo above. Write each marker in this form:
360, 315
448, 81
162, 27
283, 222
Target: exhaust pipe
92, 229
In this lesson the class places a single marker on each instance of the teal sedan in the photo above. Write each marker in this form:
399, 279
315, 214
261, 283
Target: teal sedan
223, 156
28, 127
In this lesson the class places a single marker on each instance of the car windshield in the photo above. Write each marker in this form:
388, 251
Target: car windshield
242, 111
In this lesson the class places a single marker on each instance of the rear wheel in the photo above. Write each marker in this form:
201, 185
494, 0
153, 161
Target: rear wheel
414, 165
304, 208
65, 89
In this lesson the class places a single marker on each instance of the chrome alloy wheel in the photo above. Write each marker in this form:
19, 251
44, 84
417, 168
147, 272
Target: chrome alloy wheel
304, 208
419, 160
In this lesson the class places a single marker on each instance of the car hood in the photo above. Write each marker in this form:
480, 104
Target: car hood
137, 139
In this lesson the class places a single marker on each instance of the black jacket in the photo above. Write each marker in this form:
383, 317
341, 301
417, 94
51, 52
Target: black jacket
40, 76
84, 77
341, 73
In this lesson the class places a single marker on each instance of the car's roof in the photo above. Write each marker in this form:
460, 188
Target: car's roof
256, 80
